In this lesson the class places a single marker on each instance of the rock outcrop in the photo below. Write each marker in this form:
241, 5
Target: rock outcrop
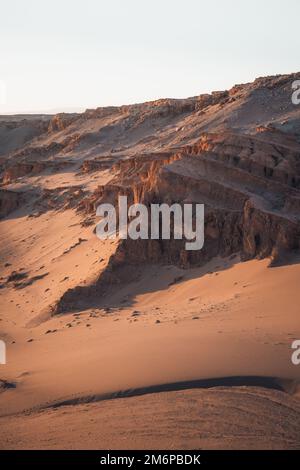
9, 201
61, 121
250, 188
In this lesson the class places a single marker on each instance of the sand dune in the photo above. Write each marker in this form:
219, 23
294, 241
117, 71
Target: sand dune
218, 418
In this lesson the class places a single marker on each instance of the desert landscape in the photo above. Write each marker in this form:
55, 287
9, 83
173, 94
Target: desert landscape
141, 344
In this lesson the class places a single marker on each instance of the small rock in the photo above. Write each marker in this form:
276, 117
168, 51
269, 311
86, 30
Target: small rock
135, 313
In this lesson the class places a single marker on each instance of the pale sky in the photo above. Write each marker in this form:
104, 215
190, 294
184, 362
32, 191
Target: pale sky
67, 54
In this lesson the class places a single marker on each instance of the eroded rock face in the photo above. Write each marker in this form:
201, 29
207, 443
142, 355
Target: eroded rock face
250, 189
60, 121
97, 164
9, 201
21, 169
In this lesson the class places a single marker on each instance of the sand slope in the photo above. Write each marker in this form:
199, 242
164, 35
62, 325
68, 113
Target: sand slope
219, 321
244, 418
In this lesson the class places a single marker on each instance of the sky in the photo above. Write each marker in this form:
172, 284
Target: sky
65, 55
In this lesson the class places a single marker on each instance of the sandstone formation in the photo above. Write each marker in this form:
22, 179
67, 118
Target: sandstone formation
9, 201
